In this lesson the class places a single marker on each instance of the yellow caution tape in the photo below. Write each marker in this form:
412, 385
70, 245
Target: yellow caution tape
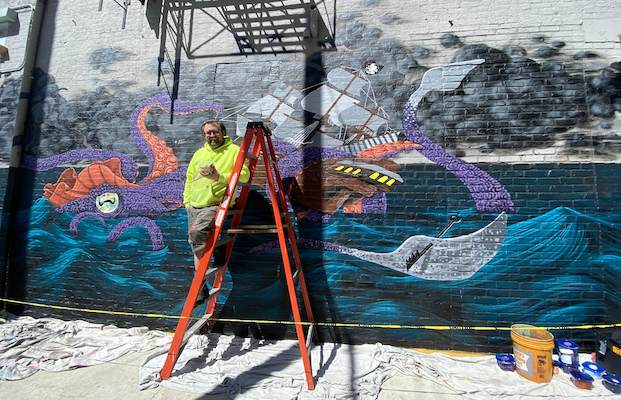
329, 324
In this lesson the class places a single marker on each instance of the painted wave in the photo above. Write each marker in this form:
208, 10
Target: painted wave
560, 268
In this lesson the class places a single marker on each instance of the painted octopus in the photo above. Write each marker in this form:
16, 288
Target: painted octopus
107, 188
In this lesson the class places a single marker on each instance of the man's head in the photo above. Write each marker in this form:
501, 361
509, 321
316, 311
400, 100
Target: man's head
213, 132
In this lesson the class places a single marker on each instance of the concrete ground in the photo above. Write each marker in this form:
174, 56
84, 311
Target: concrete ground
118, 380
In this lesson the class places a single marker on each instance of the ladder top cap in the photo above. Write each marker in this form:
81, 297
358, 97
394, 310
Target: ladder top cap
258, 125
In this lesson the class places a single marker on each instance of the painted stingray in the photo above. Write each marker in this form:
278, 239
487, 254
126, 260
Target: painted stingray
107, 188
438, 259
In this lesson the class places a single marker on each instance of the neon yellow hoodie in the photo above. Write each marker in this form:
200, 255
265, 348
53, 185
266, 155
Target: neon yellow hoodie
201, 192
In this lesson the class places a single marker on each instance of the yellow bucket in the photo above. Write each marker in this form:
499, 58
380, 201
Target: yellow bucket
532, 349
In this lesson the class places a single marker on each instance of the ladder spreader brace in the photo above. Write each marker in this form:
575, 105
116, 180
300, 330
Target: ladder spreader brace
258, 134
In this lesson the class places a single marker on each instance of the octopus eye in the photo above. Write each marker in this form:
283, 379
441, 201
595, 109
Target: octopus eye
107, 202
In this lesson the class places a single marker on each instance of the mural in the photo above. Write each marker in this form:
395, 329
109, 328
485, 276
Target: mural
107, 188
440, 241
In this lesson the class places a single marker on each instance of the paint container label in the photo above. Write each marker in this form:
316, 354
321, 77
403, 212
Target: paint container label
524, 361
567, 356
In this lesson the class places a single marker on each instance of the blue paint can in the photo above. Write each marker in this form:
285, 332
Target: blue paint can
612, 382
568, 352
505, 361
567, 368
581, 380
595, 370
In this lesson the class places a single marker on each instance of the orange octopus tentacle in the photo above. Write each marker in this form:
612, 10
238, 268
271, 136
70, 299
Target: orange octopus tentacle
165, 160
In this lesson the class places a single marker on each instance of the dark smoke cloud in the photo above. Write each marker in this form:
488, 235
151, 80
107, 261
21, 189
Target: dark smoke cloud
355, 35
517, 103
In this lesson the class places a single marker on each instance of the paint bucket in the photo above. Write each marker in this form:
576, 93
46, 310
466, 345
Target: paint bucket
532, 349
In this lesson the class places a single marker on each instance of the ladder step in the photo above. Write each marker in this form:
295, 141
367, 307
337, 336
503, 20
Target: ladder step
210, 271
224, 239
212, 292
193, 329
252, 156
255, 229
246, 184
252, 231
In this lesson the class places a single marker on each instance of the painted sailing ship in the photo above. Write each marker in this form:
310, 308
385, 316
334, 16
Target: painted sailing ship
346, 114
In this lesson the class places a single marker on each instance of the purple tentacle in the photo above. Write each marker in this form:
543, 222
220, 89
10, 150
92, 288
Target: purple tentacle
157, 241
375, 204
282, 147
129, 169
488, 194
75, 222
163, 100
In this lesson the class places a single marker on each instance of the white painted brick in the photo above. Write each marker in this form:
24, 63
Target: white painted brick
489, 159
546, 151
510, 159
531, 159
524, 29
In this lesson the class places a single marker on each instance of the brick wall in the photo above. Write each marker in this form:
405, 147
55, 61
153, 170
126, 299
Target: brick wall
532, 131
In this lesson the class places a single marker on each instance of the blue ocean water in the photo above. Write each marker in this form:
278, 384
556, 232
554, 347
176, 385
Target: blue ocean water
556, 268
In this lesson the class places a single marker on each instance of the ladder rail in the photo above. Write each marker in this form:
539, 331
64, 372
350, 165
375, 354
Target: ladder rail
245, 153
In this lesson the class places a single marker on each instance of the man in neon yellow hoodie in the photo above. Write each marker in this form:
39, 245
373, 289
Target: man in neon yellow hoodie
205, 185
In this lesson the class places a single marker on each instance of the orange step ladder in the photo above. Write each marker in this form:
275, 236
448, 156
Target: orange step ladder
257, 143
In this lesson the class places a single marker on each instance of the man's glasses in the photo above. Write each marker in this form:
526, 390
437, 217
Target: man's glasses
212, 133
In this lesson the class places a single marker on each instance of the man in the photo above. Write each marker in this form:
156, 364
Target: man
205, 185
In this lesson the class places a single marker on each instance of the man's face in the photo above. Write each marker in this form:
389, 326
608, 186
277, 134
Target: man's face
213, 135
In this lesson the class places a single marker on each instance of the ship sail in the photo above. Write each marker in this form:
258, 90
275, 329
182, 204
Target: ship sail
328, 101
347, 102
346, 113
273, 109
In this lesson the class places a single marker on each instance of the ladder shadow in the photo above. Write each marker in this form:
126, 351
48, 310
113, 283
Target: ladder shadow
255, 375
235, 349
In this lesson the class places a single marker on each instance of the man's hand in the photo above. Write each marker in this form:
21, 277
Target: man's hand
209, 172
